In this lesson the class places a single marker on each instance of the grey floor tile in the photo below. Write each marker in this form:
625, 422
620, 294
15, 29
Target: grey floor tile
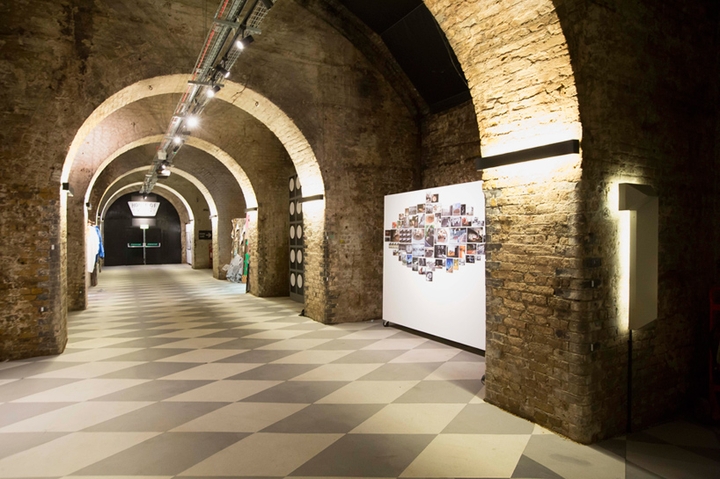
244, 343
167, 454
259, 356
369, 357
401, 372
633, 471
11, 443
487, 419
153, 370
25, 387
306, 392
322, 334
31, 369
368, 455
441, 392
277, 372
147, 342
156, 390
526, 468
233, 333
14, 412
347, 345
150, 354
161, 416
326, 418
467, 356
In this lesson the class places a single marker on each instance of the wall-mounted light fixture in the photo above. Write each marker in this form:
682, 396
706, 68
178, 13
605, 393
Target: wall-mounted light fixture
640, 202
66, 188
567, 147
311, 198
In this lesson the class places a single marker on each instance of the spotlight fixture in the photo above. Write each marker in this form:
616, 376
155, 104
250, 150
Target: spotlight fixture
192, 121
230, 25
243, 42
211, 92
222, 71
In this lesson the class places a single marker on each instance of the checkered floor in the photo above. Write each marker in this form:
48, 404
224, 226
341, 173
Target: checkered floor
171, 373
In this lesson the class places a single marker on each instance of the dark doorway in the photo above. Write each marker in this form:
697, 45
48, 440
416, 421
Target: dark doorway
121, 238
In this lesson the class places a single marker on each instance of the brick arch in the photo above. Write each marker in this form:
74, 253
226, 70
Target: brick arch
517, 62
170, 194
258, 106
223, 157
192, 179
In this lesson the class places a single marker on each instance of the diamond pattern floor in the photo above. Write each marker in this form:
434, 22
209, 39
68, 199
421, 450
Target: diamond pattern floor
170, 373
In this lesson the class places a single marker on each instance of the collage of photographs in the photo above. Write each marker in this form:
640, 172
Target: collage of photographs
430, 238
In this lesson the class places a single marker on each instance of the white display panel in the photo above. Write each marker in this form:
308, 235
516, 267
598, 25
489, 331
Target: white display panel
447, 304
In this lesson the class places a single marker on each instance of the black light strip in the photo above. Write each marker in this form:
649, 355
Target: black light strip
546, 151
248, 210
311, 198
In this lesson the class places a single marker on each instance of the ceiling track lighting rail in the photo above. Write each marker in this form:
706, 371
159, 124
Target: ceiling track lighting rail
235, 23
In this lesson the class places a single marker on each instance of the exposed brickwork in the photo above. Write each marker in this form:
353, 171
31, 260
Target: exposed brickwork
641, 75
647, 120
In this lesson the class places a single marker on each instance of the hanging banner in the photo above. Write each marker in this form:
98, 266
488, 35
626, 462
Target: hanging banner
434, 262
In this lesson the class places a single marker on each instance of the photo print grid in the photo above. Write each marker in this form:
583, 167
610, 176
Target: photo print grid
433, 237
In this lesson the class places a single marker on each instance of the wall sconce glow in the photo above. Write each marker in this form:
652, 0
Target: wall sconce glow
639, 251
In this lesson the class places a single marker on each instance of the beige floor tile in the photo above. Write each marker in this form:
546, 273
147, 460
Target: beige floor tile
396, 344
188, 333
79, 326
275, 334
213, 371
372, 334
258, 455
338, 372
6, 381
295, 344
180, 325
410, 419
265, 325
457, 370
369, 392
313, 357
82, 390
98, 342
225, 391
89, 370
75, 417
426, 356
70, 453
202, 356
101, 333
195, 343
469, 455
117, 477
93, 354
241, 417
